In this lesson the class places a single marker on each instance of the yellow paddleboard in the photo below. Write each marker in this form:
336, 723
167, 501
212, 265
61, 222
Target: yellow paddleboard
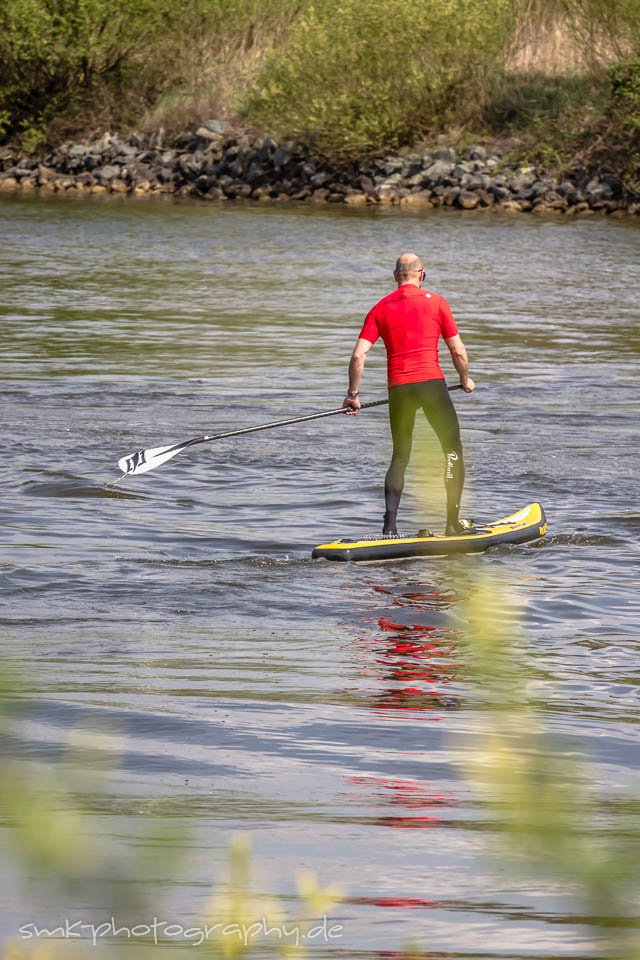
526, 524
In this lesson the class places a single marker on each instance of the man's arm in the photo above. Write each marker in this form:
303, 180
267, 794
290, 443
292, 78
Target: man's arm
460, 361
356, 369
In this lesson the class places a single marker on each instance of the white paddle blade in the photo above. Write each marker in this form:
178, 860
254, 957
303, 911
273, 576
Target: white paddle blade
144, 460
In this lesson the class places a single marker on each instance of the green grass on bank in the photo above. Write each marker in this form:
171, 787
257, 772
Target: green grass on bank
349, 76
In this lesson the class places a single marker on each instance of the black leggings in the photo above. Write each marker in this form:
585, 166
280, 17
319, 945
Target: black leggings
404, 401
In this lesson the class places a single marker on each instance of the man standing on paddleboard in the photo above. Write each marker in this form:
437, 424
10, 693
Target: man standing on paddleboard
410, 321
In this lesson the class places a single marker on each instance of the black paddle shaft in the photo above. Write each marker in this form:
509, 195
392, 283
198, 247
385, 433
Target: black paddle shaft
285, 423
278, 423
148, 459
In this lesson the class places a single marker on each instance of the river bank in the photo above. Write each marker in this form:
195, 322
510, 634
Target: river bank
217, 163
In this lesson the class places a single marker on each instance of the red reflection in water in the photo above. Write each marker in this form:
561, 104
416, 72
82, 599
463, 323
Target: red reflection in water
410, 903
422, 596
416, 661
409, 954
410, 795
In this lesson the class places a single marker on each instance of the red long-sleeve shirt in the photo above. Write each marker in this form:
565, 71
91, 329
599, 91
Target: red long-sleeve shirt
410, 322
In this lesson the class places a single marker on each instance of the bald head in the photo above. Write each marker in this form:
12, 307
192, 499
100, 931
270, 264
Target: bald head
409, 269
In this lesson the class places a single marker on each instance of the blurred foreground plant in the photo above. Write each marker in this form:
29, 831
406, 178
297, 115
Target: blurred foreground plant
245, 919
68, 861
543, 797
49, 809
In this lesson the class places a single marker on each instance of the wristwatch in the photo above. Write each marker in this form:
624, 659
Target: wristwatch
353, 394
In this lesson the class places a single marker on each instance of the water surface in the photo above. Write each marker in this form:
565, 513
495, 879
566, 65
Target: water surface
325, 709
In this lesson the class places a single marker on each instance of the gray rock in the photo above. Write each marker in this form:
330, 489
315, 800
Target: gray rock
127, 152
461, 168
213, 152
538, 189
467, 200
281, 156
205, 183
522, 181
386, 191
107, 172
231, 189
446, 154
477, 152
231, 152
566, 188
205, 134
438, 171
237, 168
552, 197
183, 141
416, 181
391, 165
479, 181
217, 127
255, 173
190, 167
500, 192
411, 166
599, 189
164, 175
91, 161
78, 150
319, 179
266, 149
141, 171
395, 180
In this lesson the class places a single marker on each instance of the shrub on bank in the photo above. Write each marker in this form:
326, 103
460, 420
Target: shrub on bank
358, 75
65, 57
347, 76
69, 65
624, 119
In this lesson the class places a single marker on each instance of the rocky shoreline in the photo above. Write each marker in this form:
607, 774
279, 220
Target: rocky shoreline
216, 163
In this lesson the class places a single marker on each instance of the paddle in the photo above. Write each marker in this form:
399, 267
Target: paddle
144, 460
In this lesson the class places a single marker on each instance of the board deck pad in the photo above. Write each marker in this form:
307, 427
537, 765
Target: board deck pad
524, 525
